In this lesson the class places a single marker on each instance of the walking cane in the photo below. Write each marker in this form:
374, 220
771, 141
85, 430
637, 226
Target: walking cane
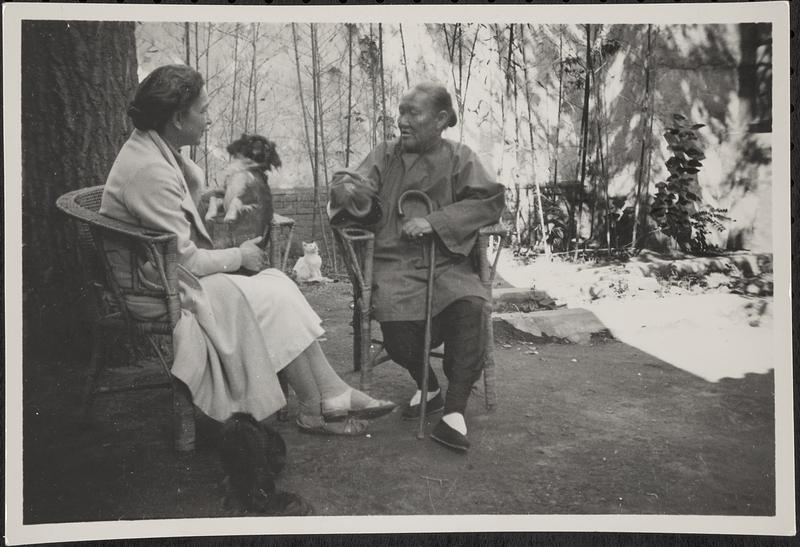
428, 305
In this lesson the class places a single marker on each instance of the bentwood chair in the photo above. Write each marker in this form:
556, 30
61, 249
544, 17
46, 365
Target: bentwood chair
358, 248
160, 249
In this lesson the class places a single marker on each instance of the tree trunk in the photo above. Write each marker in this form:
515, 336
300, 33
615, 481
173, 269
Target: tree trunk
77, 80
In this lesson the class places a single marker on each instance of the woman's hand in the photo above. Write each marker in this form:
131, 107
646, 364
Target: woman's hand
253, 257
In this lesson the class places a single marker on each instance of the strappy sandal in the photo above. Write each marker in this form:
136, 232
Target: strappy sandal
375, 409
349, 427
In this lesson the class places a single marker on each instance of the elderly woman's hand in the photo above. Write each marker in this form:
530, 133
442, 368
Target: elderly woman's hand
416, 227
253, 257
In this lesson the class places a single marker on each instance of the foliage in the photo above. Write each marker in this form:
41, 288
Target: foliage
676, 204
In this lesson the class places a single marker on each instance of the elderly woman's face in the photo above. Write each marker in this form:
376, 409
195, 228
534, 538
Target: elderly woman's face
194, 121
419, 123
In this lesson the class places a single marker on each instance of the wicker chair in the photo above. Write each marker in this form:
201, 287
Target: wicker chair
93, 230
358, 246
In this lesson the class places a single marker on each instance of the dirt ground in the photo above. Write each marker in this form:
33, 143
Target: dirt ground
580, 429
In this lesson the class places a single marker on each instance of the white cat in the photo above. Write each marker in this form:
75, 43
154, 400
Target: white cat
308, 268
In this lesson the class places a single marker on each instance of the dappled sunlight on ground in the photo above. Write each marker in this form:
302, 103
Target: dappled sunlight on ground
706, 335
713, 336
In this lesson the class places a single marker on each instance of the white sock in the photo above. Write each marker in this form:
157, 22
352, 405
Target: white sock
415, 400
456, 421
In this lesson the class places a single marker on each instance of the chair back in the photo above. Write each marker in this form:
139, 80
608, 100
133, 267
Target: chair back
486, 269
94, 231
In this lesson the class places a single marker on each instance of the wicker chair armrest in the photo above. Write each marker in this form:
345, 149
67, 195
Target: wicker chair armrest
496, 229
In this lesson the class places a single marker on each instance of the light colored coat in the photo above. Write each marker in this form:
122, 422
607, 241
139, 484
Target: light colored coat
230, 340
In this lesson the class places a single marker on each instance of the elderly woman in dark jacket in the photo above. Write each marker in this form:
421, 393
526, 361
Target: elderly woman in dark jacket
235, 332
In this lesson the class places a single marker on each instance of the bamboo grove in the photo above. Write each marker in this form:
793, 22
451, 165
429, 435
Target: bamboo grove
570, 116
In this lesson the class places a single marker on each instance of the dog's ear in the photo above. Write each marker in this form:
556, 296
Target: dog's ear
274, 159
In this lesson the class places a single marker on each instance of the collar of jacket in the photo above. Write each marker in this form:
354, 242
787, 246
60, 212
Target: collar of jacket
183, 169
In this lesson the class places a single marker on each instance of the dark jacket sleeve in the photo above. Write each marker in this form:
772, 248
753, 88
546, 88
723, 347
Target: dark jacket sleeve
479, 201
357, 185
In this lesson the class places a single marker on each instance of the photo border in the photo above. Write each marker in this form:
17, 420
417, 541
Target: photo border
777, 13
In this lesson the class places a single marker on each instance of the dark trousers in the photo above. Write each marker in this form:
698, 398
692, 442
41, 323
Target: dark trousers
462, 328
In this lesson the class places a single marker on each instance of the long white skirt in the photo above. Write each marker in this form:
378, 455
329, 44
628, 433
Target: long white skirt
235, 334
287, 321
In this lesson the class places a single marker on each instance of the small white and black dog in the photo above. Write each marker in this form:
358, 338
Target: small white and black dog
252, 455
245, 182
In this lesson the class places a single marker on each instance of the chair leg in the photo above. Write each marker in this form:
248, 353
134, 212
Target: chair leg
288, 248
183, 425
488, 365
364, 328
96, 363
275, 247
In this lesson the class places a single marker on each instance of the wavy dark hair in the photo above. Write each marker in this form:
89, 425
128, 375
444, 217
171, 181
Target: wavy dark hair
258, 148
165, 91
441, 100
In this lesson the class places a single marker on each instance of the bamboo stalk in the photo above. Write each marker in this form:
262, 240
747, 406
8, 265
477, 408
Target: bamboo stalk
640, 178
584, 131
542, 226
331, 249
349, 92
235, 76
383, 82
560, 99
405, 59
315, 120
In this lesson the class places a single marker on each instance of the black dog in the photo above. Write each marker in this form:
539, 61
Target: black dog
252, 456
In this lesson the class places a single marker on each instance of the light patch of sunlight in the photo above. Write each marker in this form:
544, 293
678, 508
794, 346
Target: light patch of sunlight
705, 335
688, 38
614, 81
634, 121
687, 91
624, 182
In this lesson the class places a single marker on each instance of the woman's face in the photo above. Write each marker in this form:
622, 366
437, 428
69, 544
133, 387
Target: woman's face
194, 121
419, 123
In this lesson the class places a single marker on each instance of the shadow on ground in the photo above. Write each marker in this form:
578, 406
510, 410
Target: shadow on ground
580, 429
